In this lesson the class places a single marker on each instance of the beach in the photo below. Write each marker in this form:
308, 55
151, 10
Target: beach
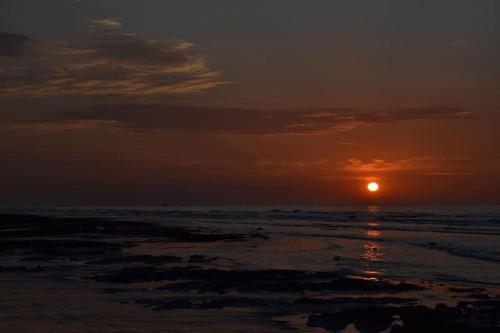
250, 269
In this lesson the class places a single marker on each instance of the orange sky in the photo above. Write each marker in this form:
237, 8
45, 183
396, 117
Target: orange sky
106, 104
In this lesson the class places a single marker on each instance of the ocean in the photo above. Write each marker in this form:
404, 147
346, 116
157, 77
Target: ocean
149, 257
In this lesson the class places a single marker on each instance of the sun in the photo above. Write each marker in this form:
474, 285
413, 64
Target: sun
373, 187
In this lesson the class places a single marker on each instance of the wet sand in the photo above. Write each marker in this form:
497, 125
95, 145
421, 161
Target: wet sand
108, 275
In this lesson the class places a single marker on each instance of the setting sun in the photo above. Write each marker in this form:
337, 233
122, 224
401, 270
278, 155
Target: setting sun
373, 187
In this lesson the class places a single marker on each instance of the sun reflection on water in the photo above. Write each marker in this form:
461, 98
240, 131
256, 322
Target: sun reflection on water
373, 233
373, 250
373, 209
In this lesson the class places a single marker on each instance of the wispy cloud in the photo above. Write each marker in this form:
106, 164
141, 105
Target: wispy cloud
105, 23
156, 117
429, 165
110, 62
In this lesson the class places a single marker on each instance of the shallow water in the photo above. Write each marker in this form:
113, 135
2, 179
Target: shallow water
109, 269
424, 242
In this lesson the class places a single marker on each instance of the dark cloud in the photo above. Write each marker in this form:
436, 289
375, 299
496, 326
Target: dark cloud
109, 62
12, 45
245, 121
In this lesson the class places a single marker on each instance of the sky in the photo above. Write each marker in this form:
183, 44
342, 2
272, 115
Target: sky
118, 102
